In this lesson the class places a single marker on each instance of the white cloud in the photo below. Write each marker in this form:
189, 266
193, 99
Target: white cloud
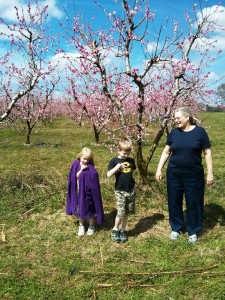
8, 11
53, 10
6, 31
152, 46
65, 59
219, 42
216, 19
217, 16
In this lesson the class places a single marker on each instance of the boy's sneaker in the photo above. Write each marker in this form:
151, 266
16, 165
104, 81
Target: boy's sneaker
174, 235
81, 230
123, 235
193, 238
91, 230
115, 236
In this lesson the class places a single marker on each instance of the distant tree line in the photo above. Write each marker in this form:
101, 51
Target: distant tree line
215, 108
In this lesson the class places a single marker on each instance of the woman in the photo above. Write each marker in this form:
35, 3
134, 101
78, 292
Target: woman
185, 173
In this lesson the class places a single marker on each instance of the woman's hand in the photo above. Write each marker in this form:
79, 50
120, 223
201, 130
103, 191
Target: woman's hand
209, 179
158, 175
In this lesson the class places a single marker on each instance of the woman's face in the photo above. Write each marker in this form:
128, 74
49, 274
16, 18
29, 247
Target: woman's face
181, 120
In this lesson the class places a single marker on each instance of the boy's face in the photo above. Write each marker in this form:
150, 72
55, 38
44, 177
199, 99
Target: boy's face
123, 154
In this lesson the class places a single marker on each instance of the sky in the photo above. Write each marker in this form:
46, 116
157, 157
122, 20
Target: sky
162, 10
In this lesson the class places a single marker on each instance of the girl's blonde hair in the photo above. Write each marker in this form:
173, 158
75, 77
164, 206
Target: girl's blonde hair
87, 154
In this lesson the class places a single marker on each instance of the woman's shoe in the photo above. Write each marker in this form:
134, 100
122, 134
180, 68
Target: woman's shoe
174, 235
192, 238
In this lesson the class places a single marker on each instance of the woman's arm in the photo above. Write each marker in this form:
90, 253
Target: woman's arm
165, 154
208, 160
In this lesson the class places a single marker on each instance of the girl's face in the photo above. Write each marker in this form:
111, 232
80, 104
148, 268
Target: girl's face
84, 161
181, 120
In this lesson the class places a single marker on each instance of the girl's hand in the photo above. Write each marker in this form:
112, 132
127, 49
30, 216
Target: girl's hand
83, 165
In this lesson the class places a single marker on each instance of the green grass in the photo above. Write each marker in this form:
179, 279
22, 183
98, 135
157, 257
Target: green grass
42, 257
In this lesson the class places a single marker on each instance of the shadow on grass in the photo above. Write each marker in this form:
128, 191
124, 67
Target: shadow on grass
109, 220
145, 224
213, 214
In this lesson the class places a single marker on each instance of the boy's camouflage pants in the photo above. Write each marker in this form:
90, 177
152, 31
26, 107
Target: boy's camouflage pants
125, 202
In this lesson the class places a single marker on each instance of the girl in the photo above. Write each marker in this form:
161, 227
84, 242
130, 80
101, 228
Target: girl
83, 192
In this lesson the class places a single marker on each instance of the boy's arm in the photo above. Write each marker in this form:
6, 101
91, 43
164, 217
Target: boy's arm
111, 172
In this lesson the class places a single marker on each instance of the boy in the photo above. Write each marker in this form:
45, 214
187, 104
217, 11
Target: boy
122, 167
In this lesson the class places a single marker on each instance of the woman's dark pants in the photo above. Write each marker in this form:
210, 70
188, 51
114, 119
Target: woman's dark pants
192, 187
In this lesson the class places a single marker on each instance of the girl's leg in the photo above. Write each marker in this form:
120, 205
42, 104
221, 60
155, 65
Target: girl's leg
81, 229
81, 222
91, 228
91, 221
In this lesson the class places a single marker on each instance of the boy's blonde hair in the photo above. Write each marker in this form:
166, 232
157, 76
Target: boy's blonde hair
87, 154
125, 145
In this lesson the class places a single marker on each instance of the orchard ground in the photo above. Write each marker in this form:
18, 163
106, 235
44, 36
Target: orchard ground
41, 255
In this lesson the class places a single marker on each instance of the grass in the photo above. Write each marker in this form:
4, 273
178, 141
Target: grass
42, 257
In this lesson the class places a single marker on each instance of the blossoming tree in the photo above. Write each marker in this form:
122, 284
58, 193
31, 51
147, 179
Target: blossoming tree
25, 63
167, 67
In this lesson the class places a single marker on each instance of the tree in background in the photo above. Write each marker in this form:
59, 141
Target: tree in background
220, 91
29, 38
89, 107
166, 70
34, 106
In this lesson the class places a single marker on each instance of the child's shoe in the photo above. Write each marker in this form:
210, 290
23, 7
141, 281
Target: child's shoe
123, 235
115, 236
91, 230
81, 230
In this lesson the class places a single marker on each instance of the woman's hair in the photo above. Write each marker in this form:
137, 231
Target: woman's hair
87, 154
125, 145
185, 111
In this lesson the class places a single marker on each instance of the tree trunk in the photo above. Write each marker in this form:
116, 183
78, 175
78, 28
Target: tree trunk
141, 163
96, 133
29, 130
155, 143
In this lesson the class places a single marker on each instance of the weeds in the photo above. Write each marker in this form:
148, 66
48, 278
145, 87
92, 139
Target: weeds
42, 257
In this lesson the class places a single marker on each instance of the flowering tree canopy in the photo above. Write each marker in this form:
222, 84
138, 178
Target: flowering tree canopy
171, 72
26, 62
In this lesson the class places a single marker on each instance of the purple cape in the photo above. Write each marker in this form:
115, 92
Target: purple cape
87, 202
